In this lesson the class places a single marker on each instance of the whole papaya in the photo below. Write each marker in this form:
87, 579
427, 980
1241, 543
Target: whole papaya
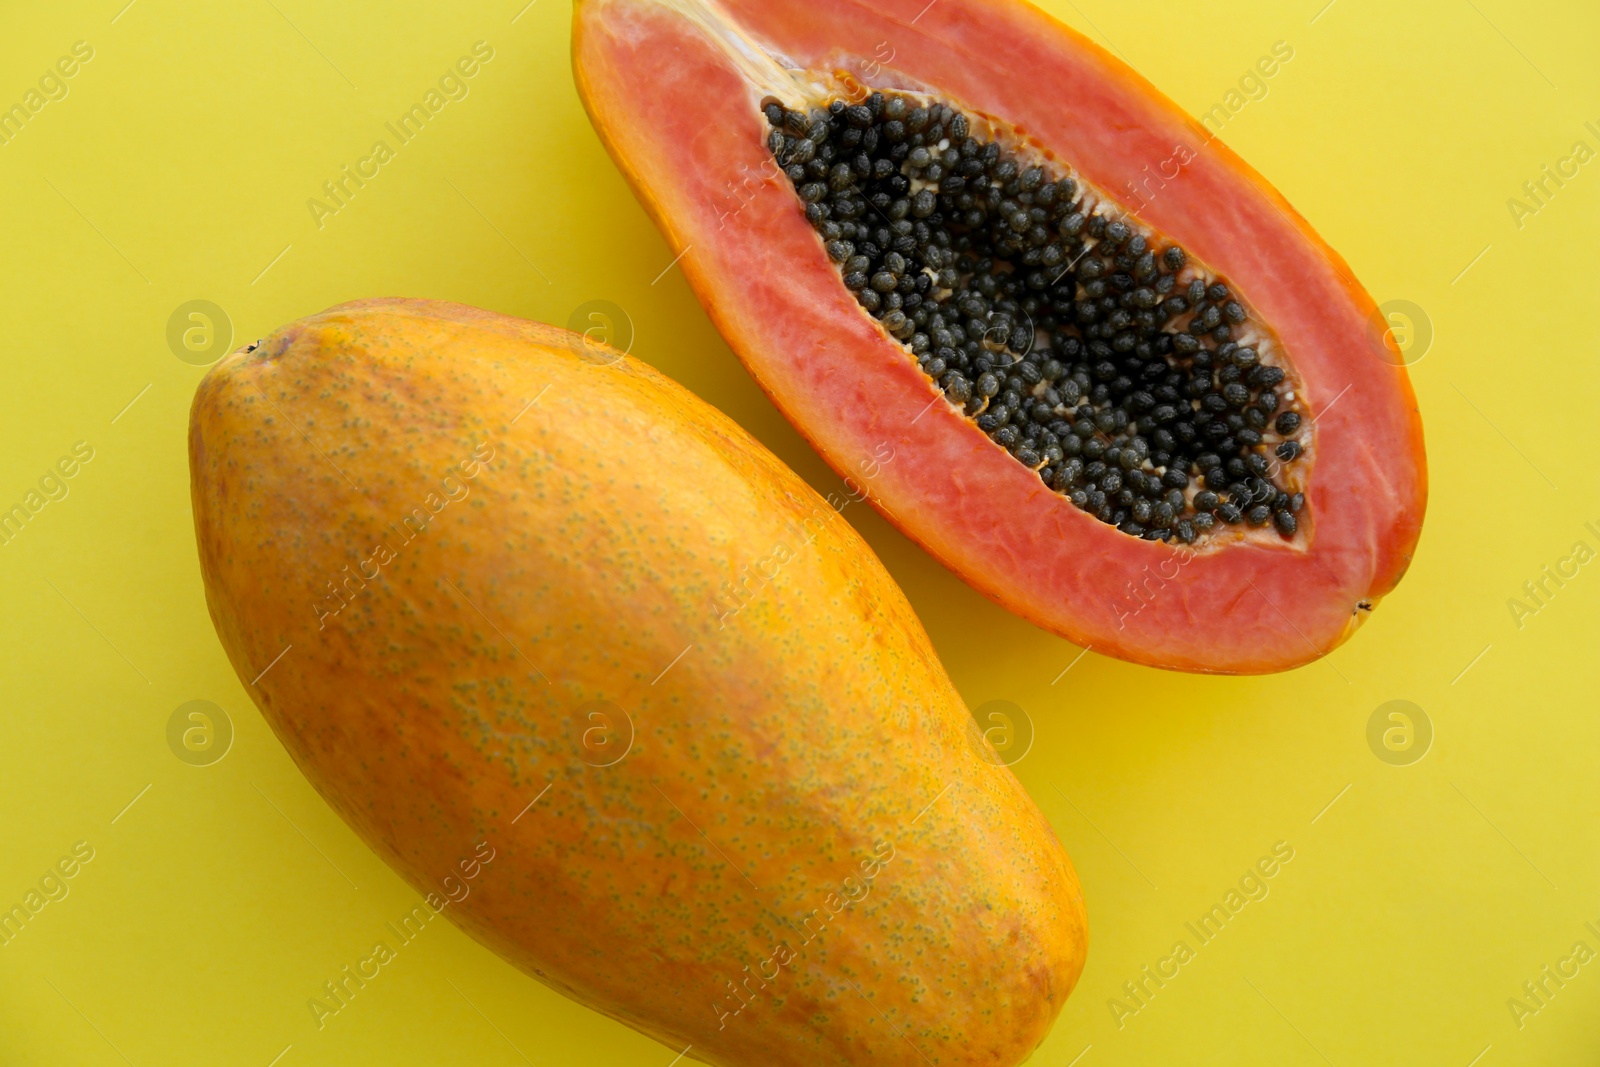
506, 593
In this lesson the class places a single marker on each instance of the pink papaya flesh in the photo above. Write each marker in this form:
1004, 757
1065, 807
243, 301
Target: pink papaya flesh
1245, 474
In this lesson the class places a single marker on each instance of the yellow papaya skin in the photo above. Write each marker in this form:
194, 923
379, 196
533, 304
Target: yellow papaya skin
438, 542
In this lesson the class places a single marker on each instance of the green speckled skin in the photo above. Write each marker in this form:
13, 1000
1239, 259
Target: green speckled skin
799, 807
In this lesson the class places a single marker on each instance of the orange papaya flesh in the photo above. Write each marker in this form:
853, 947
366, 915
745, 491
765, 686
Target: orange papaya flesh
676, 90
588, 666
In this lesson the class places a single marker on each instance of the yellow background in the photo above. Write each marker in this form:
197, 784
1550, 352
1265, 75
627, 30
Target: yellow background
178, 168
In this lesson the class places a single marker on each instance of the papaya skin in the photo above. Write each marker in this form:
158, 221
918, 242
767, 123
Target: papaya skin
800, 791
678, 108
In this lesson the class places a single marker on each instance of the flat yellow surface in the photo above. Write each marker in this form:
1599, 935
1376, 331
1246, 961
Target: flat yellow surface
1421, 894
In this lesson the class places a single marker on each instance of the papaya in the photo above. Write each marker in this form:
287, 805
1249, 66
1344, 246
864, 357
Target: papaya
620, 694
1133, 397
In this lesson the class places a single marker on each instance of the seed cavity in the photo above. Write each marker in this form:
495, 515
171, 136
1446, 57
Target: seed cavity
1104, 358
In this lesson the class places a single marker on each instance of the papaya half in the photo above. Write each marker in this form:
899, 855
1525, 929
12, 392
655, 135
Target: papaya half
630, 702
1131, 395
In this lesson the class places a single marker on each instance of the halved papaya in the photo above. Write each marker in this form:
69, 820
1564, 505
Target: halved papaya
1093, 361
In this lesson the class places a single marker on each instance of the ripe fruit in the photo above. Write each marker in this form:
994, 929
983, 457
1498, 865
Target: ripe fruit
1140, 402
498, 589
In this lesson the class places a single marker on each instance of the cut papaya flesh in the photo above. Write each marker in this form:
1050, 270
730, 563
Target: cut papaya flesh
601, 715
1161, 305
